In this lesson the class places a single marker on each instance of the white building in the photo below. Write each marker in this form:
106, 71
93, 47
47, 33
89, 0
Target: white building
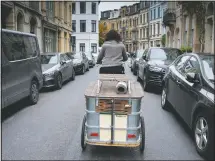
85, 26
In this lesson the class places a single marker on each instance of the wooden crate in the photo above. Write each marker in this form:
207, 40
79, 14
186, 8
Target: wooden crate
104, 105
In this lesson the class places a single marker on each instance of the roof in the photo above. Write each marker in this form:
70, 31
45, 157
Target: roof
18, 32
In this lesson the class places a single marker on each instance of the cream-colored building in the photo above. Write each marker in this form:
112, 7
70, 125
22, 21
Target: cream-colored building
57, 25
182, 29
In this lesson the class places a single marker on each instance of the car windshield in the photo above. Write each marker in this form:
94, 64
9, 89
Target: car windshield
165, 54
77, 55
140, 53
49, 59
89, 56
208, 66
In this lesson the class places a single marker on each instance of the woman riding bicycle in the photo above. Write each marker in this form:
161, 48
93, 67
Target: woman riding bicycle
112, 54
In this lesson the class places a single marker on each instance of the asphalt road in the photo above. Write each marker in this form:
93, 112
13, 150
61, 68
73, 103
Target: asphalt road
51, 129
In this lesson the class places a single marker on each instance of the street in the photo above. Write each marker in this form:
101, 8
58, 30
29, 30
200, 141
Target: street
51, 129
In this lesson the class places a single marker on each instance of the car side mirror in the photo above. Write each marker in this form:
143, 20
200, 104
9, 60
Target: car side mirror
192, 77
144, 57
62, 62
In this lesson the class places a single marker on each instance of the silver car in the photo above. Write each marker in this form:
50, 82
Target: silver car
21, 68
57, 68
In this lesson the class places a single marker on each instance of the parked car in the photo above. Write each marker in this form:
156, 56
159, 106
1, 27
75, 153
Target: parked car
21, 68
134, 61
91, 59
80, 62
189, 87
153, 65
57, 68
95, 55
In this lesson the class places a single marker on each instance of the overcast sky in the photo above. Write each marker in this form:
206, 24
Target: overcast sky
111, 5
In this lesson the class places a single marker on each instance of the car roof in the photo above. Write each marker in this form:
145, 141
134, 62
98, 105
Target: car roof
18, 32
50, 53
163, 48
199, 54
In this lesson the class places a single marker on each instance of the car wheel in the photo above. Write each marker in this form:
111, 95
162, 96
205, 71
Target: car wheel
73, 74
203, 132
164, 101
83, 70
34, 93
59, 81
145, 83
142, 134
83, 134
88, 67
138, 77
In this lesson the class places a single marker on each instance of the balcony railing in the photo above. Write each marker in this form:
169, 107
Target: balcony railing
169, 17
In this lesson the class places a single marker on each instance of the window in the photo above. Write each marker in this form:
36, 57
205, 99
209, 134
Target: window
154, 14
49, 59
130, 23
180, 63
126, 34
147, 16
144, 20
93, 7
164, 54
50, 9
192, 65
82, 7
65, 12
50, 41
151, 14
82, 25
159, 12
74, 25
73, 8
158, 28
14, 46
65, 41
93, 24
151, 30
62, 58
30, 46
94, 47
112, 25
82, 47
140, 33
73, 39
191, 37
154, 29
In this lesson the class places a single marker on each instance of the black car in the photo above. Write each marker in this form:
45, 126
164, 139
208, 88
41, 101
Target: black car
91, 59
134, 61
189, 87
57, 68
153, 64
80, 62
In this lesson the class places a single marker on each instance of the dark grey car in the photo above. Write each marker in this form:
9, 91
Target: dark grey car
57, 68
91, 59
21, 68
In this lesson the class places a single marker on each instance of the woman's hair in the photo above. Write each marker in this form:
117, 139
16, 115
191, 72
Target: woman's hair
113, 35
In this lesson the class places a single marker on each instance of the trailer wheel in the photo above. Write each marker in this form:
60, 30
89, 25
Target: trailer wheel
83, 134
142, 134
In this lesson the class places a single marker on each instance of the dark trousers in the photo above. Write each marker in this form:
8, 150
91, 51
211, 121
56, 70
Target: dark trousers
112, 70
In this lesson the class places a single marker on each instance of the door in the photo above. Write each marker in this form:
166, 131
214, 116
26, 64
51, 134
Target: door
175, 94
16, 71
70, 65
189, 90
142, 63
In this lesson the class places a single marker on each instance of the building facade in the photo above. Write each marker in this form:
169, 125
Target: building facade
25, 16
183, 31
49, 20
57, 25
85, 36
140, 24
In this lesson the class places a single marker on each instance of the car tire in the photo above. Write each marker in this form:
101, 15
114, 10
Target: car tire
83, 134
34, 92
199, 133
138, 77
83, 70
164, 101
59, 81
88, 67
146, 86
73, 75
142, 133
